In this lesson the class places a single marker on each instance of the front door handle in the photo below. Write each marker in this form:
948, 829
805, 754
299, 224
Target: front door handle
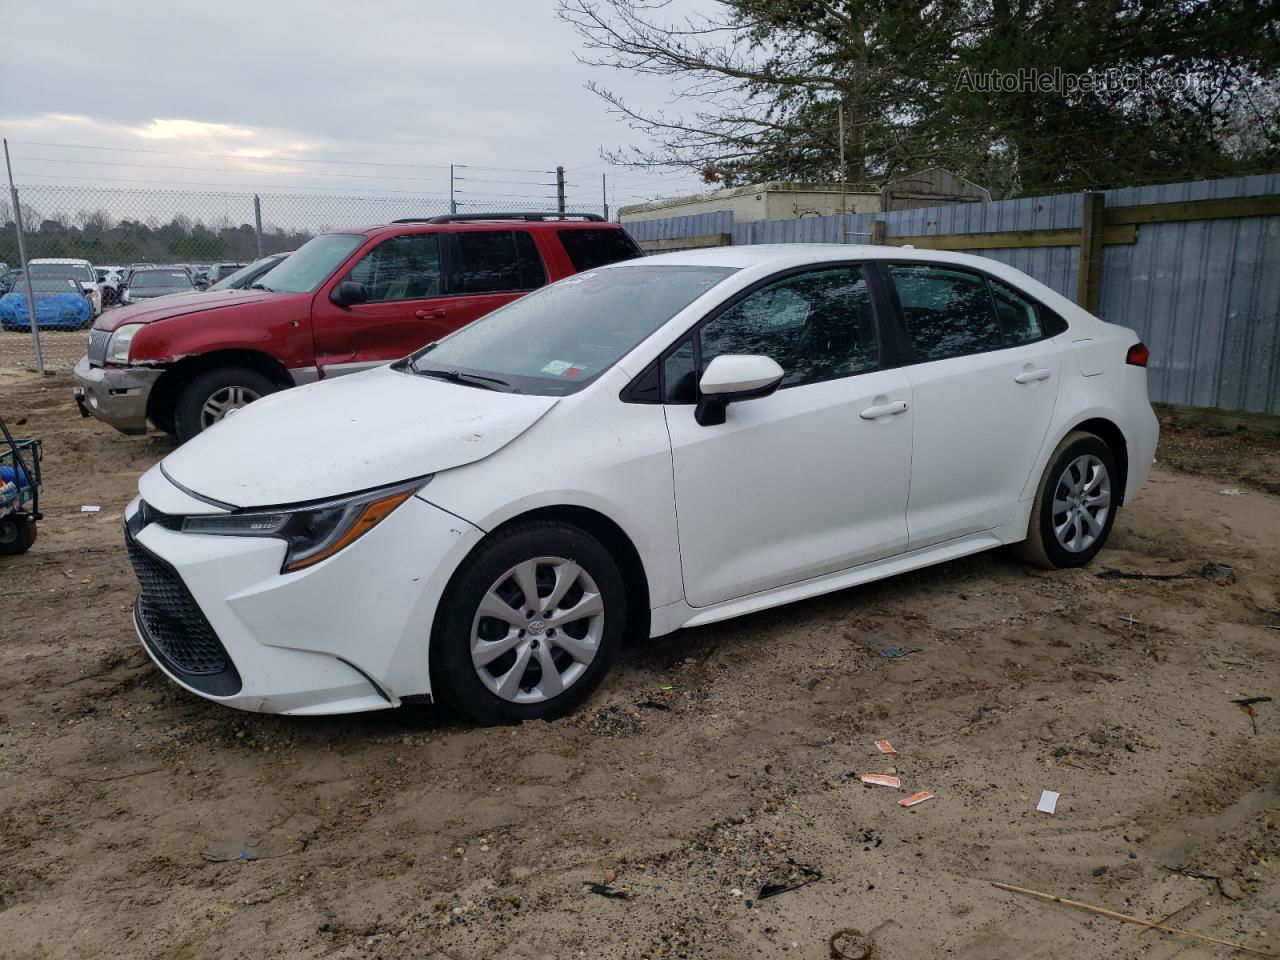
884, 410
1031, 376
432, 313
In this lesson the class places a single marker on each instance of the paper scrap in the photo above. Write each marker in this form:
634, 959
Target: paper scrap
90, 508
1048, 801
881, 780
915, 798
885, 747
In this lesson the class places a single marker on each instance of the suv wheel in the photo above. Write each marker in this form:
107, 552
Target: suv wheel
214, 395
529, 625
1075, 506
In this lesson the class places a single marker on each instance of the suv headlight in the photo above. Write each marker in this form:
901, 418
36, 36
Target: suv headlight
118, 345
313, 532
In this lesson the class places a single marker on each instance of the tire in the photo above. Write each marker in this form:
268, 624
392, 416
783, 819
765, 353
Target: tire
189, 414
1081, 540
489, 575
17, 534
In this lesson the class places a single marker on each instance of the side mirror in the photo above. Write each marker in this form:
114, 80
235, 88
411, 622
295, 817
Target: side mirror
730, 378
349, 292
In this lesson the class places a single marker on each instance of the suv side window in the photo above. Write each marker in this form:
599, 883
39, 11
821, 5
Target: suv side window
498, 261
948, 313
401, 268
1019, 317
818, 325
588, 249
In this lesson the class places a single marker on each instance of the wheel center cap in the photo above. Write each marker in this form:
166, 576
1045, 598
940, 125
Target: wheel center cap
536, 627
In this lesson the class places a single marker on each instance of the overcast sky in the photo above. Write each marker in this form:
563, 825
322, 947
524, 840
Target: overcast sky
487, 83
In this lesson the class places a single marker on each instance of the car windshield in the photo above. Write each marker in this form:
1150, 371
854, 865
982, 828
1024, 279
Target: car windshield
311, 264
233, 279
50, 278
562, 337
154, 279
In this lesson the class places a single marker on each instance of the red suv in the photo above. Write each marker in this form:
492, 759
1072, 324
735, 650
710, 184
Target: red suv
342, 302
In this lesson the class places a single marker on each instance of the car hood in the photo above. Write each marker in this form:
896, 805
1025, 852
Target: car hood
178, 305
354, 433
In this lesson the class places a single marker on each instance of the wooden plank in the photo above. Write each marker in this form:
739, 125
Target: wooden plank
1089, 266
877, 233
1219, 209
687, 243
1011, 239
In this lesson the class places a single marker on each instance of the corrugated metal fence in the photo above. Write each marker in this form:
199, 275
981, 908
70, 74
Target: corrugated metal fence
1203, 293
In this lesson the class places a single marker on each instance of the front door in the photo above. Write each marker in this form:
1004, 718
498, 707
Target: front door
810, 480
984, 379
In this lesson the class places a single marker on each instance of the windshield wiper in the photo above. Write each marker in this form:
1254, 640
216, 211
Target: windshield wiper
467, 379
260, 286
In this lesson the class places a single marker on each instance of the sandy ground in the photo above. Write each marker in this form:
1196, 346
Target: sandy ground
713, 767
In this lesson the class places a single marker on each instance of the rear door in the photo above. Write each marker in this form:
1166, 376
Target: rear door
405, 309
984, 382
487, 269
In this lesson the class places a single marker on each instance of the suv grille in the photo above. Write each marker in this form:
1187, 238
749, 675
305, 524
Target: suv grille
98, 340
175, 628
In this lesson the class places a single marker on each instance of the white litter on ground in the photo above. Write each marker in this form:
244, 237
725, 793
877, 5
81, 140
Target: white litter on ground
1048, 801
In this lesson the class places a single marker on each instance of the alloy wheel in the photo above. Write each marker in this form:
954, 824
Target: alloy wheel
1081, 503
537, 629
225, 401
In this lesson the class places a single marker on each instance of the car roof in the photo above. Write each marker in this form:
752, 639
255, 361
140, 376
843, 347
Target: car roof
784, 255
77, 261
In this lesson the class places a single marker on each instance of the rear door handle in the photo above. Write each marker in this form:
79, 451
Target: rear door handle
434, 312
1031, 376
884, 410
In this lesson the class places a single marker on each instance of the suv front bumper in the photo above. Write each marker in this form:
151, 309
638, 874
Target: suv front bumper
115, 395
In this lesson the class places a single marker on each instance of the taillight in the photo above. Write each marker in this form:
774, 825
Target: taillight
1138, 355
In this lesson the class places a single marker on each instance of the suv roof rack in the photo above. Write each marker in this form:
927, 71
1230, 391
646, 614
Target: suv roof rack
464, 217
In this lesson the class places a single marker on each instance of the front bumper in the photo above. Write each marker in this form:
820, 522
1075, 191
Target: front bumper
348, 634
115, 395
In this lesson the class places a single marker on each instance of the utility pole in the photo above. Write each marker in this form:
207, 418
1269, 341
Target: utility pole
257, 223
453, 204
22, 255
560, 189
604, 196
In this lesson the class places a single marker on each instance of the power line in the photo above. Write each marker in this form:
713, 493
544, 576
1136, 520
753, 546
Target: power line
278, 173
232, 156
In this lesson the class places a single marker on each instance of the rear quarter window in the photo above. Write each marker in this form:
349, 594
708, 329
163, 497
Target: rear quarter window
588, 249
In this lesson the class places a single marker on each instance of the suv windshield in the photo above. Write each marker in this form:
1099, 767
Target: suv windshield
562, 337
311, 264
153, 279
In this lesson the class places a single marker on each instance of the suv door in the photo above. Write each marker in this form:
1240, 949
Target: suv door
487, 269
984, 378
405, 307
810, 480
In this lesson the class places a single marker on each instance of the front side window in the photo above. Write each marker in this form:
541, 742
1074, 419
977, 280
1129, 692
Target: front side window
402, 268
557, 339
948, 313
496, 261
818, 325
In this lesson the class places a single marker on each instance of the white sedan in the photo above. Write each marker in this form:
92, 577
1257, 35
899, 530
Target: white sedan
652, 445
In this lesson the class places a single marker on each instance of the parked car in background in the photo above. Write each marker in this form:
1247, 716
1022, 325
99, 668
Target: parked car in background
343, 302
110, 280
147, 283
8, 279
61, 303
220, 271
84, 273
647, 446
248, 276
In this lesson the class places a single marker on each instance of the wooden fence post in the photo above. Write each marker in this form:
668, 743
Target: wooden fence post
1089, 277
877, 232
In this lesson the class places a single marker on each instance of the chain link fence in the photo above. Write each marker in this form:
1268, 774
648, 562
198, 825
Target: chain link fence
109, 226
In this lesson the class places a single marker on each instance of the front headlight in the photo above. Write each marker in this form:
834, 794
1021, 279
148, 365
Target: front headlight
118, 345
313, 532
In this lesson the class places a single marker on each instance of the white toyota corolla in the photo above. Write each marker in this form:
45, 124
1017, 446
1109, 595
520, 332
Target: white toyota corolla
652, 445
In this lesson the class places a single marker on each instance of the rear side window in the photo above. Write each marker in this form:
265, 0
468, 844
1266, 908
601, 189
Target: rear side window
589, 249
496, 261
1019, 317
948, 313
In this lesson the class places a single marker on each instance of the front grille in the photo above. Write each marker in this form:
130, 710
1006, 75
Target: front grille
98, 340
174, 626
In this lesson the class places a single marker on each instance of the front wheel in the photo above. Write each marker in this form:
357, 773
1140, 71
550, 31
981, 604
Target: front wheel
1075, 506
214, 395
529, 625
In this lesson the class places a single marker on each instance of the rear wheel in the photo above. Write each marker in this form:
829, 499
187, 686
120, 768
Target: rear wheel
1075, 506
214, 395
529, 625
17, 534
